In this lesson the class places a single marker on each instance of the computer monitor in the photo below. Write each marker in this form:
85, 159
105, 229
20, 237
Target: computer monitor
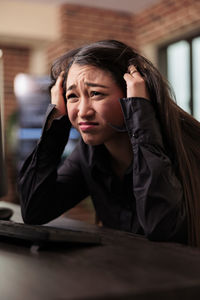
3, 181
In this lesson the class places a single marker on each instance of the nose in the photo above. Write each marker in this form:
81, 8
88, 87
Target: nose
85, 109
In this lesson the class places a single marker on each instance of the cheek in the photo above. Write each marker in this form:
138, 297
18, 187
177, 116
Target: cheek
113, 113
72, 113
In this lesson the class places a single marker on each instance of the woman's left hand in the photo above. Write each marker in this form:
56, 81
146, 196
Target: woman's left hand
136, 86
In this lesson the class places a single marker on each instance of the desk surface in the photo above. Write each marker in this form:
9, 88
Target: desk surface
124, 267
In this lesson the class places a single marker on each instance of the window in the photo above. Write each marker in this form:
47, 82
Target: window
180, 63
196, 77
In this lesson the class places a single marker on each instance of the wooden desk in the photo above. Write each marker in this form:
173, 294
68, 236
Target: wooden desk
124, 267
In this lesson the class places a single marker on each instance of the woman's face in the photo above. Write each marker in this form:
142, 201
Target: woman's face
92, 103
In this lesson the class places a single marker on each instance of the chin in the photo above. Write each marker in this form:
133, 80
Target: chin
92, 142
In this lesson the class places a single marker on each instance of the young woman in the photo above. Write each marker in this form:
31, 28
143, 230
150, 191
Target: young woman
138, 153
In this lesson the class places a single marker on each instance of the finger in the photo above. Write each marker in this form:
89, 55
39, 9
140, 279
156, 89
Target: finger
58, 86
131, 90
57, 95
60, 79
136, 86
128, 77
132, 69
131, 79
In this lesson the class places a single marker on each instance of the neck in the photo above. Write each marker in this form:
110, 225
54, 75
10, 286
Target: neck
121, 153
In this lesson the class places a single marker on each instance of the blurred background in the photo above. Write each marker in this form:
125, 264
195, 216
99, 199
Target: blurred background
34, 33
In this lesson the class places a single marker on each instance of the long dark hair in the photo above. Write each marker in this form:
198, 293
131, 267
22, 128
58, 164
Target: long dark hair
181, 132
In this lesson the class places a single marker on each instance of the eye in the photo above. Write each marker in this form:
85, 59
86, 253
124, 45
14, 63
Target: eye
72, 97
96, 94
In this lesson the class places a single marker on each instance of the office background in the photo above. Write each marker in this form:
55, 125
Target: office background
34, 33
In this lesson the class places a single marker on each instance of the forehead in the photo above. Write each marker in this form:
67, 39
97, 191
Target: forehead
87, 73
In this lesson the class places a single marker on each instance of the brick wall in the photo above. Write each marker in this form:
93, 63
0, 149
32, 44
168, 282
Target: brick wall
163, 21
15, 60
167, 20
80, 25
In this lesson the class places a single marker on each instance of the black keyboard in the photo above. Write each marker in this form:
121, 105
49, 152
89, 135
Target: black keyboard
38, 234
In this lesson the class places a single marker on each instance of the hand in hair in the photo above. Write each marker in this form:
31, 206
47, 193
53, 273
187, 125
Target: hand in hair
136, 86
57, 96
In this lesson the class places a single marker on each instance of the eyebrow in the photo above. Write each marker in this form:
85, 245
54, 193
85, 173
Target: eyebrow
71, 87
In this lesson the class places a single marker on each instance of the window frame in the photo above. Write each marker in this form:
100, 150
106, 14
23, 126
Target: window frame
162, 61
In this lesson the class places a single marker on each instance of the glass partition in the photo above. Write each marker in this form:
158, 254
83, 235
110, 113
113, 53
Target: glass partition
178, 67
196, 77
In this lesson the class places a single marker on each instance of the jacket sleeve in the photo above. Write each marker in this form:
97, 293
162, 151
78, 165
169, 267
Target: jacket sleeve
158, 192
46, 192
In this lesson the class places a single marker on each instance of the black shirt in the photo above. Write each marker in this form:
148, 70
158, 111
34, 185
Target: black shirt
149, 199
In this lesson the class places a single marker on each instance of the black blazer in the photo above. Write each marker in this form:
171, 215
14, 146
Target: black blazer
149, 199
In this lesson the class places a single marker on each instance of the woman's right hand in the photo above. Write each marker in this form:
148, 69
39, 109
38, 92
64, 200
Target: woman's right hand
57, 95
136, 86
